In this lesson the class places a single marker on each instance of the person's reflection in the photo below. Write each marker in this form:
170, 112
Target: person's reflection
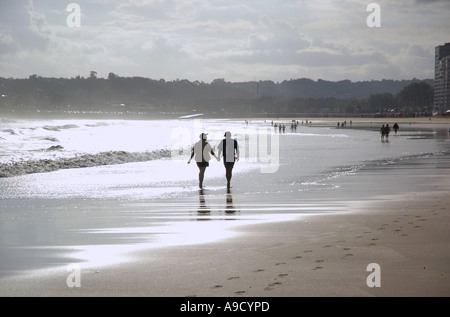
202, 208
230, 209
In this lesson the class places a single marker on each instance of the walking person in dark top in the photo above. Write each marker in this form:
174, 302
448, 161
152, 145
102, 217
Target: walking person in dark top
202, 150
229, 149
382, 132
387, 130
396, 127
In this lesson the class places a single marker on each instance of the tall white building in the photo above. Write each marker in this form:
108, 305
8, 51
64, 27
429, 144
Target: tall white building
442, 77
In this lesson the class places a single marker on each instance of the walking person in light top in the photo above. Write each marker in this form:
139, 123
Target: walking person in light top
202, 150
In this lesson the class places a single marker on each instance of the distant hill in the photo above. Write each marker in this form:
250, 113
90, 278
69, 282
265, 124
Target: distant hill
144, 94
307, 88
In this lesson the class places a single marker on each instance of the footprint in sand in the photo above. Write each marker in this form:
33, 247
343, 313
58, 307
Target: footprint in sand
217, 286
239, 292
282, 275
270, 286
327, 246
233, 278
307, 251
258, 270
280, 263
317, 268
383, 226
297, 257
320, 261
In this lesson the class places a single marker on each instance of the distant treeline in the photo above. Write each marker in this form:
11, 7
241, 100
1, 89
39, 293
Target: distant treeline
148, 96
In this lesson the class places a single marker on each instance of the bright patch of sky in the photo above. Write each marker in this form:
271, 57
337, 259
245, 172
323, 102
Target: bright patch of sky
235, 40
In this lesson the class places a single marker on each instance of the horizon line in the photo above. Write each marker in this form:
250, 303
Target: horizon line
216, 79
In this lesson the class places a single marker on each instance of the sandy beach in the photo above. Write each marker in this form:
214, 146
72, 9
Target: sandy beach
328, 255
405, 234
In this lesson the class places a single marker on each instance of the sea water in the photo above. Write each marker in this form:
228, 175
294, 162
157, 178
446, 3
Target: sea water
88, 190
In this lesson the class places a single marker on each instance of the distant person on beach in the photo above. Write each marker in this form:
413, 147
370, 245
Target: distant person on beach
382, 132
202, 150
229, 149
387, 130
396, 127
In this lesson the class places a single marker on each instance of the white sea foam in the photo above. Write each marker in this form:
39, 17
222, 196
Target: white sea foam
87, 160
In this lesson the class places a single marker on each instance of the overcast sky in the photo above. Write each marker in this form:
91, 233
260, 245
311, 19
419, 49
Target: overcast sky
236, 40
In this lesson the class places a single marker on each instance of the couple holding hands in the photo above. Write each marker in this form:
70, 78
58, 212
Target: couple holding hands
228, 148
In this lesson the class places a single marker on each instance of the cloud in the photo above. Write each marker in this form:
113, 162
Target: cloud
236, 40
21, 28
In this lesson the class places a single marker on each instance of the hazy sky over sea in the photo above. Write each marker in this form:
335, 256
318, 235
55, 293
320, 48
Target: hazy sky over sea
235, 40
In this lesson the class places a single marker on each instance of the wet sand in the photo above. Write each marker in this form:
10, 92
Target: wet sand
405, 233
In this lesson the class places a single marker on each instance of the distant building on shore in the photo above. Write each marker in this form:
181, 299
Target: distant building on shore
442, 78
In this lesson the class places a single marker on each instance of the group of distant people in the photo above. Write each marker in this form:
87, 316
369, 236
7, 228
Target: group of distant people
282, 127
228, 148
343, 124
386, 129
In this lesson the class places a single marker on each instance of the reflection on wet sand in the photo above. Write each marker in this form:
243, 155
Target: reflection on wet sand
229, 208
204, 208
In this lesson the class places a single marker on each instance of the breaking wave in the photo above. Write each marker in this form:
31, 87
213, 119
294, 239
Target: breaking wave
81, 161
55, 148
9, 131
60, 127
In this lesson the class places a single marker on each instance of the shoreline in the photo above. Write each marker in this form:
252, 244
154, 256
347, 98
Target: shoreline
406, 233
358, 122
268, 117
